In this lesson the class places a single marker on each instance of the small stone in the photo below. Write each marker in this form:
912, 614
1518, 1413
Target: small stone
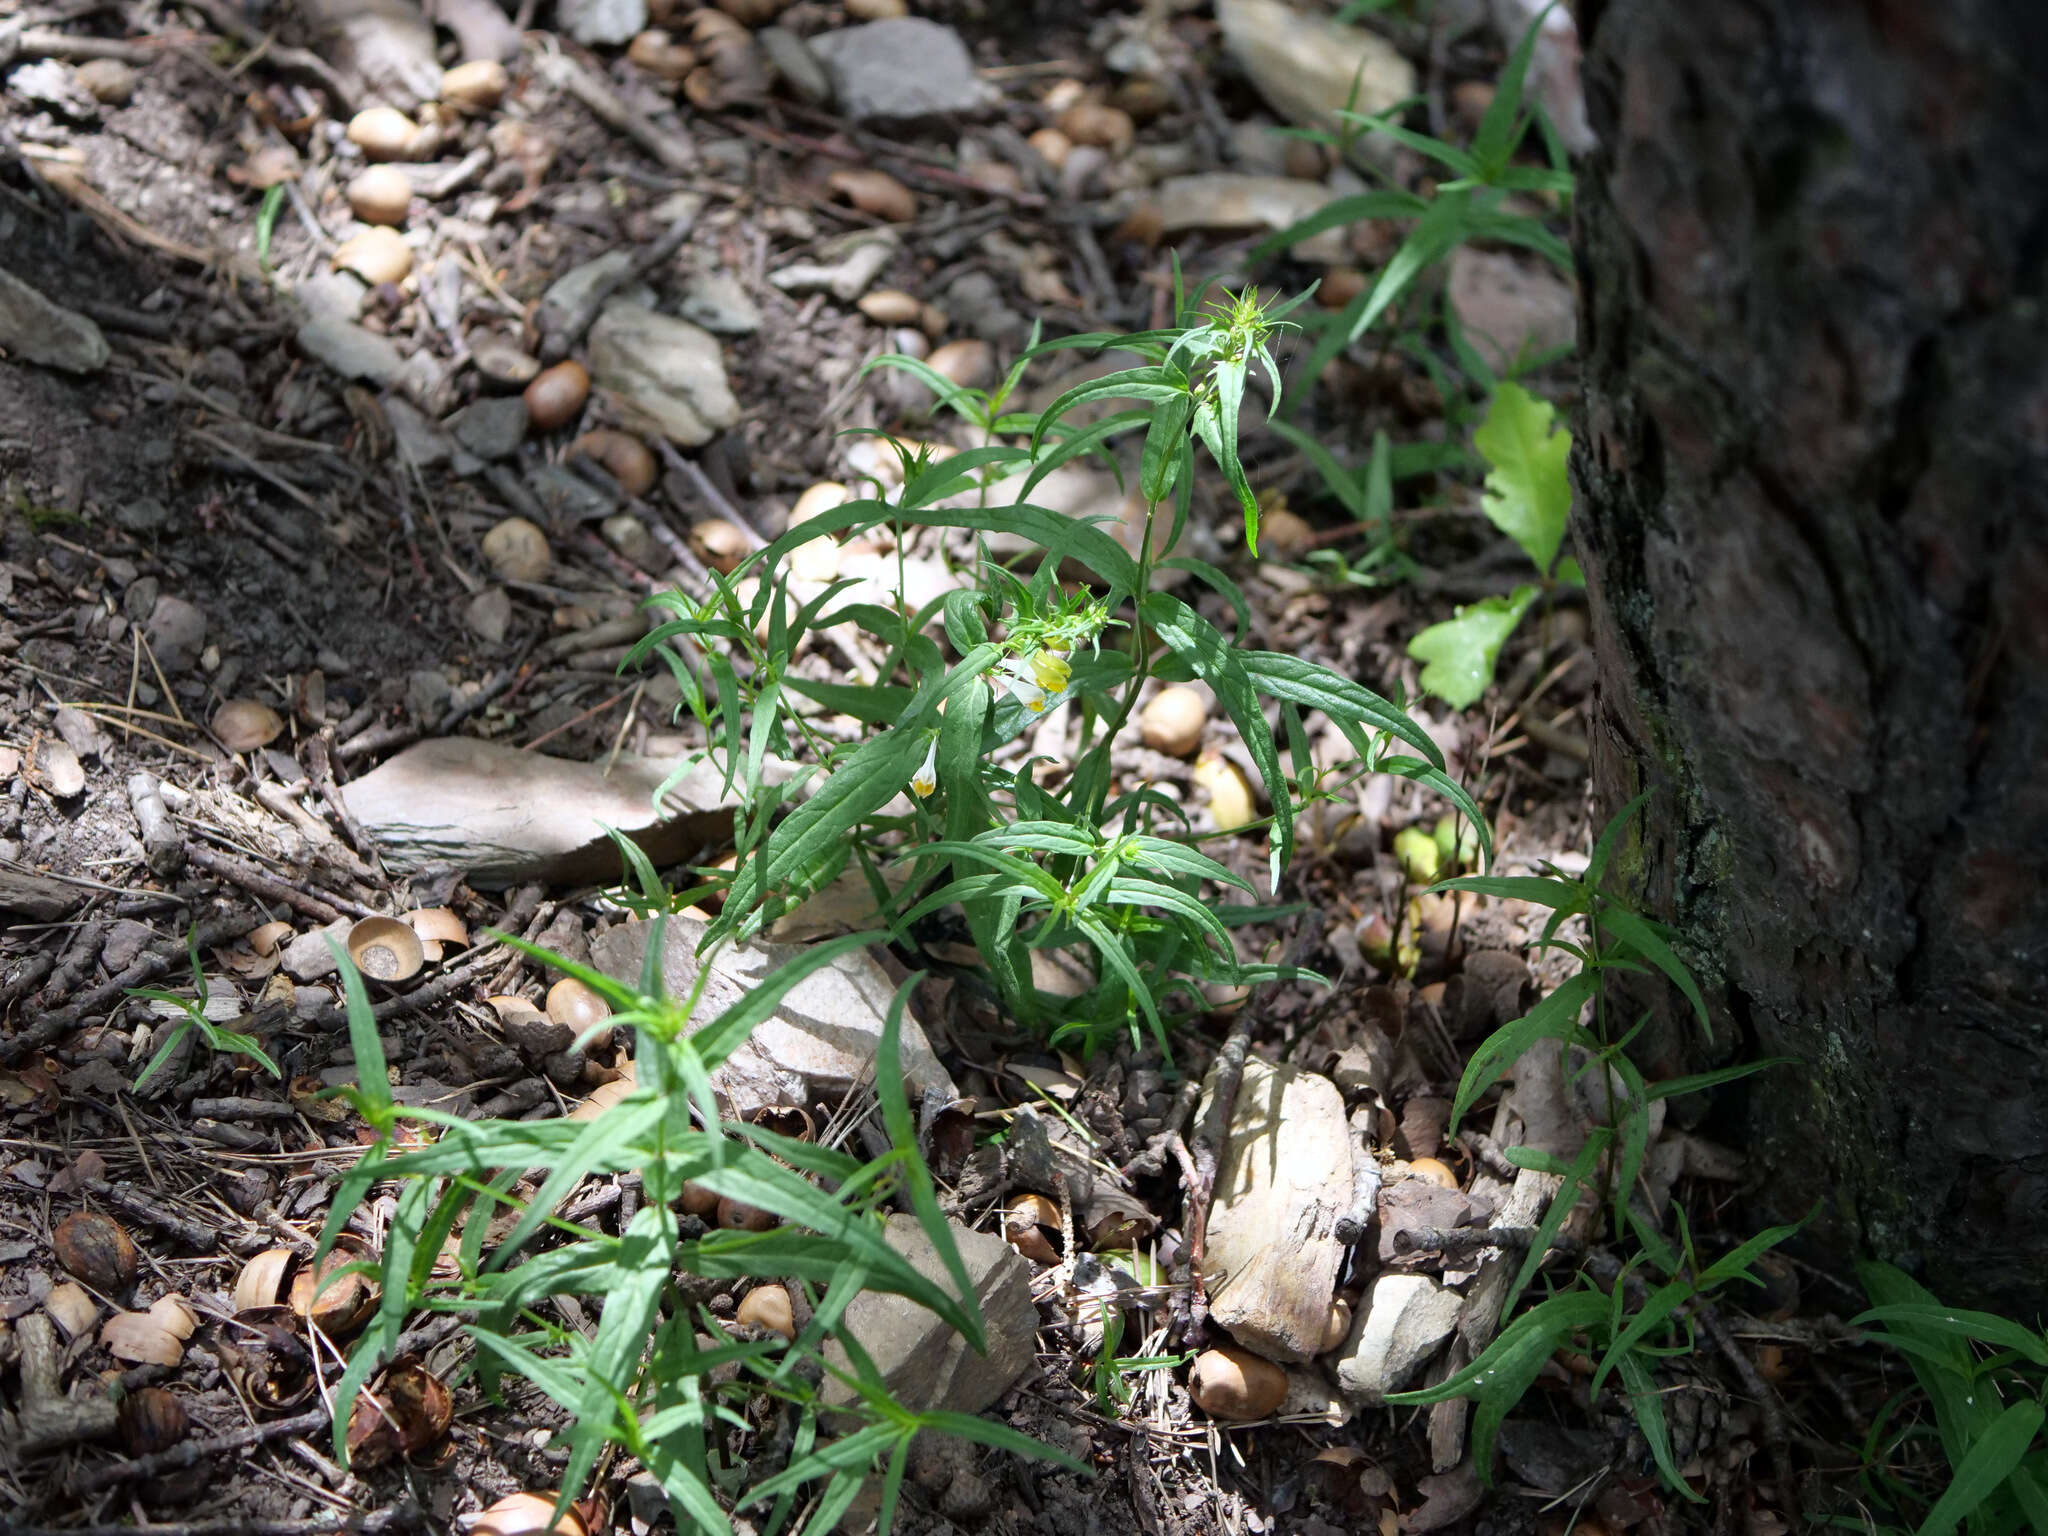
568, 294
332, 295
308, 956
604, 23
799, 68
492, 428
501, 363
34, 330
350, 351
924, 1364
1405, 1321
1510, 308
902, 71
666, 372
177, 633
420, 440
108, 80
718, 302
489, 614
517, 550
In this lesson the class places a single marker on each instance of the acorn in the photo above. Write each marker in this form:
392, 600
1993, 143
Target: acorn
476, 86
378, 255
1436, 1172
517, 550
719, 544
151, 1419
243, 725
1172, 722
969, 362
97, 1249
530, 1514
621, 455
1232, 1383
1230, 797
767, 1307
661, 55
1338, 1326
381, 195
556, 396
748, 1218
383, 133
1416, 851
875, 192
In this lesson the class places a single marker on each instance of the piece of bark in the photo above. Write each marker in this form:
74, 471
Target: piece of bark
1271, 1257
49, 1419
36, 898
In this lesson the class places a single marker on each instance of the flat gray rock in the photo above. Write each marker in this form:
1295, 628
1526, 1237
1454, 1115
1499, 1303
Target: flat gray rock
1405, 1321
668, 375
349, 350
925, 1363
719, 302
904, 70
822, 1039
177, 633
492, 428
1511, 307
501, 815
800, 68
34, 330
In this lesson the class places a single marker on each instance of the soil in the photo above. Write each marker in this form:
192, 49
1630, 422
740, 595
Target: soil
212, 461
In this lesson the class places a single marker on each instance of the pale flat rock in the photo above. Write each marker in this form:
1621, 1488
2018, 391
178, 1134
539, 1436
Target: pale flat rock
1309, 69
1271, 1257
851, 268
568, 294
1232, 200
1405, 1322
668, 374
719, 302
502, 815
383, 48
901, 71
603, 23
34, 330
351, 351
925, 1363
1511, 306
820, 1041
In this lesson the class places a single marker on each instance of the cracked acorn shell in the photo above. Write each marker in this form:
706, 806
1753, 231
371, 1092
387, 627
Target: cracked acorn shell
386, 949
531, 1514
383, 133
150, 1419
332, 1302
97, 1249
262, 1280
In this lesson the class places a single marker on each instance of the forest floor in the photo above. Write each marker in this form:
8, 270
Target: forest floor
212, 517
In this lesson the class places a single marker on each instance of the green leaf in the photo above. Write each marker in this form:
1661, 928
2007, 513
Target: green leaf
1995, 1456
1304, 682
1198, 642
1552, 1019
1528, 493
1459, 654
1985, 1327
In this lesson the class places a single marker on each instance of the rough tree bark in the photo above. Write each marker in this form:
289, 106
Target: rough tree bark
1812, 463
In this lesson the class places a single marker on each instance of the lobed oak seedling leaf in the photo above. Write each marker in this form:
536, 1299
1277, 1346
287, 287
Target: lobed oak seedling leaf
1458, 654
1528, 494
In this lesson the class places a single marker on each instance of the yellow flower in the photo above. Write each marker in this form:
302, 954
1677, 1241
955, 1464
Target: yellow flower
926, 779
1049, 670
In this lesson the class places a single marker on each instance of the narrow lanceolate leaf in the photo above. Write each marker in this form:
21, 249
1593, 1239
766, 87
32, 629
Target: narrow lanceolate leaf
1459, 654
1995, 1457
1197, 641
1303, 682
1552, 1019
1528, 494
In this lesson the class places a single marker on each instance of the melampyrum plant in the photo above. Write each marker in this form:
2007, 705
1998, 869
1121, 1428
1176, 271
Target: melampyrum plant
938, 810
1629, 1325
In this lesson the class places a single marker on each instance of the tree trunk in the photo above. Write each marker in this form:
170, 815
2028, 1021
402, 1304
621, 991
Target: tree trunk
1812, 466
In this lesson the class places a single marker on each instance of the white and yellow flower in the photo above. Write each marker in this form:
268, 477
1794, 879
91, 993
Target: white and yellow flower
1049, 670
926, 779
